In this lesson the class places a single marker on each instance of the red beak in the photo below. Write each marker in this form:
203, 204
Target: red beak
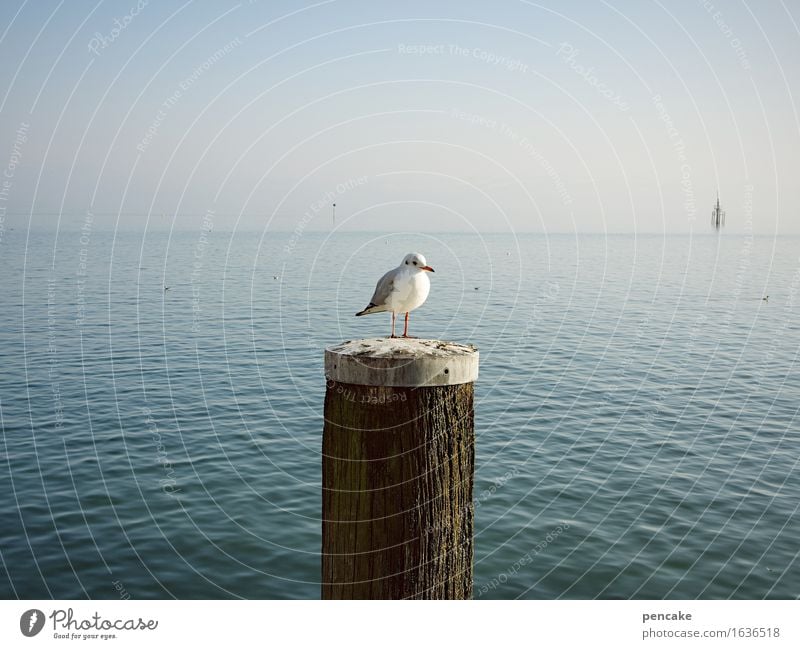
428, 268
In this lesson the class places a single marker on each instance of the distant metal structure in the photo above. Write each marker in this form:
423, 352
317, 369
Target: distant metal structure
717, 215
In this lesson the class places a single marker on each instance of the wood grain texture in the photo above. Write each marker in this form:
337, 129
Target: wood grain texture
397, 476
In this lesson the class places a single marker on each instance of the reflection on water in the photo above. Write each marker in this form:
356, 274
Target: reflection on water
636, 421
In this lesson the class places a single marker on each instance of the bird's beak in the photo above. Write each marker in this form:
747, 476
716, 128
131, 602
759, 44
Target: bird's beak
428, 268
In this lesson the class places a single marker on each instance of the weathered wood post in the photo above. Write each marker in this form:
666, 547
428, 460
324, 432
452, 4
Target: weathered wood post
398, 450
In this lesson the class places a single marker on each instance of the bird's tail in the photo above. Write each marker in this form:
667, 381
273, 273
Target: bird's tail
371, 308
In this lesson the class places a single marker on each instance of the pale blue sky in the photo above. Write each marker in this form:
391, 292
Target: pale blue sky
513, 116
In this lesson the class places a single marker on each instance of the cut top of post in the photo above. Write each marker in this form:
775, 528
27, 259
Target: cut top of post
401, 362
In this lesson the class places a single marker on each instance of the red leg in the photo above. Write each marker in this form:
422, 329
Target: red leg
394, 315
405, 329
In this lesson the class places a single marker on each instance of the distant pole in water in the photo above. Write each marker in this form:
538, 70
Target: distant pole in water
717, 215
334, 213
398, 456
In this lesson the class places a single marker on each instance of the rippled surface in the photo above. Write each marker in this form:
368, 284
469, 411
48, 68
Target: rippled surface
636, 414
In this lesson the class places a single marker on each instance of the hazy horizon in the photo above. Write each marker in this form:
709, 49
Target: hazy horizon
69, 226
595, 117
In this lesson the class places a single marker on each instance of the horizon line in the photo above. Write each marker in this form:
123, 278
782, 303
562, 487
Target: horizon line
710, 232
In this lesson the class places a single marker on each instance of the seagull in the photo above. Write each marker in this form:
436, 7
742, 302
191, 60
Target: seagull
166, 288
402, 289
765, 299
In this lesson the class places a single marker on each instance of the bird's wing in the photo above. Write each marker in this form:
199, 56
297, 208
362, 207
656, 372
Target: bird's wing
384, 289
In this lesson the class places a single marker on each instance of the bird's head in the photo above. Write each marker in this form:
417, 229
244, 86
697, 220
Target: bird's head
416, 261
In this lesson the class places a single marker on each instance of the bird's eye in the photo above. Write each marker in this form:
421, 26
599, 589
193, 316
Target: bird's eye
415, 263
406, 263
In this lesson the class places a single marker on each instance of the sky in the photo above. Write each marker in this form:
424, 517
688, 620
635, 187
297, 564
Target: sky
410, 116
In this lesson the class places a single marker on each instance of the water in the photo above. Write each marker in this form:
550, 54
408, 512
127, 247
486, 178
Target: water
636, 413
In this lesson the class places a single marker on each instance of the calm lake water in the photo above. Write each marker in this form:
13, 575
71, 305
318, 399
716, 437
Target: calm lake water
636, 414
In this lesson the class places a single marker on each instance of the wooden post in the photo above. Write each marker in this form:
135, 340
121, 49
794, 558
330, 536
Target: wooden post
398, 451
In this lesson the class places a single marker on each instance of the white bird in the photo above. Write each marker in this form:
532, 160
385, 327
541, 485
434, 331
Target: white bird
402, 289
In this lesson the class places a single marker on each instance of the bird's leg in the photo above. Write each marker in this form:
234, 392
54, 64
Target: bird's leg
405, 329
394, 315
